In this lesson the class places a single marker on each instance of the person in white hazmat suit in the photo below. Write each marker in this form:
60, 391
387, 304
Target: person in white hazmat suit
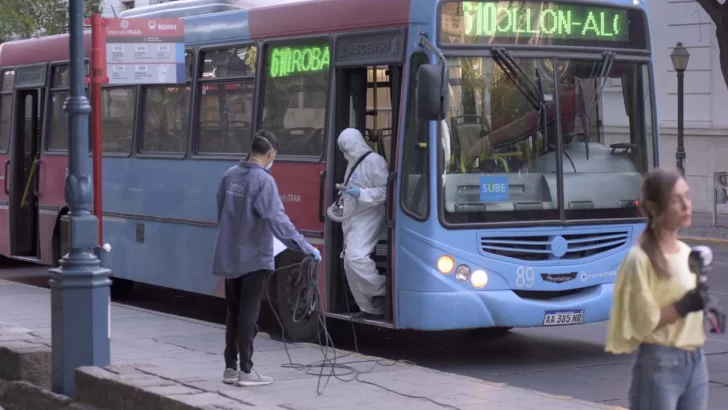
368, 187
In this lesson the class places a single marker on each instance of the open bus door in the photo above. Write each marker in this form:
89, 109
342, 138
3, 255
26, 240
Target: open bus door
24, 165
368, 89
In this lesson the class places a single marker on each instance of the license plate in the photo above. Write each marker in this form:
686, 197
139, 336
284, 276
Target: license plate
563, 317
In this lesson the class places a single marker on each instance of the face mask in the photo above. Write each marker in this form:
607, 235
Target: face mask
269, 166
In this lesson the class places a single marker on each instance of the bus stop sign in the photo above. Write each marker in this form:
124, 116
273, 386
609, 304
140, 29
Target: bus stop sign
145, 51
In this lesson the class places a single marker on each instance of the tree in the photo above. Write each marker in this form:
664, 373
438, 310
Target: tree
719, 14
27, 19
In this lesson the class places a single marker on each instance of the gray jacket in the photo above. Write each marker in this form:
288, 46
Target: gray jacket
249, 214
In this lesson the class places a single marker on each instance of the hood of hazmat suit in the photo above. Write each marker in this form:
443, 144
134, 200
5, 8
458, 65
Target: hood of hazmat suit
363, 228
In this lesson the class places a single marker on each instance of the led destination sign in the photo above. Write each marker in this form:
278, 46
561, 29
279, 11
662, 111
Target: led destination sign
296, 60
538, 22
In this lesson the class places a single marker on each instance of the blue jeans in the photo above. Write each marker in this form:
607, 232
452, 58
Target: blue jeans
666, 378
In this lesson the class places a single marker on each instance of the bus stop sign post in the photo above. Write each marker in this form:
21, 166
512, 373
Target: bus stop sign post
98, 77
80, 286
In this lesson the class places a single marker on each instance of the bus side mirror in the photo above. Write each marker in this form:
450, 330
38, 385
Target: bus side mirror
432, 97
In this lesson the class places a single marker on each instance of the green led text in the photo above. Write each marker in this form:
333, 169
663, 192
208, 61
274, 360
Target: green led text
547, 20
287, 61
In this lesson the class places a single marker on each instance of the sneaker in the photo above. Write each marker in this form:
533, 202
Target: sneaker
229, 376
253, 379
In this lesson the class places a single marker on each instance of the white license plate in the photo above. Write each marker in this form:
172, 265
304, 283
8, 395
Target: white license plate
563, 317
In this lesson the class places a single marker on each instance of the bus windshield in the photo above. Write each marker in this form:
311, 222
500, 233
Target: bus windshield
500, 145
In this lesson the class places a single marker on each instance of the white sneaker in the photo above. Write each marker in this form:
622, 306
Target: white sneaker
229, 376
253, 379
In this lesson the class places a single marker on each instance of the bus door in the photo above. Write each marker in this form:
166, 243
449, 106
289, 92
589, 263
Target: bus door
25, 162
368, 88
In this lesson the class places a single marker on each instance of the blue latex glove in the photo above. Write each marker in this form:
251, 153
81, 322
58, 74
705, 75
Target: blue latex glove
352, 191
316, 255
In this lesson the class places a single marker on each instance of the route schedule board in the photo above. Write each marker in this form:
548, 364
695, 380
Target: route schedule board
145, 51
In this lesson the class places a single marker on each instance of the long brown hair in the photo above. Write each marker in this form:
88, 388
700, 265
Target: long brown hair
656, 191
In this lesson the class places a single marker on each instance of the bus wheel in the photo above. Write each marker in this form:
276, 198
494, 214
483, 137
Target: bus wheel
291, 304
121, 287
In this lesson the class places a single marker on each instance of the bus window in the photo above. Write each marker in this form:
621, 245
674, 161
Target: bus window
226, 108
166, 116
415, 189
6, 107
58, 128
295, 96
165, 119
117, 117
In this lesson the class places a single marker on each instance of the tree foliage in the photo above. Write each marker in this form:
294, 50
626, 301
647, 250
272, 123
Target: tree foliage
36, 18
719, 14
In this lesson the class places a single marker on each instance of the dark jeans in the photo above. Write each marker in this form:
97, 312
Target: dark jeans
242, 297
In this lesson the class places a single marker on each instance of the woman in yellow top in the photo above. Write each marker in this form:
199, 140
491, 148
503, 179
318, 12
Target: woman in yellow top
658, 308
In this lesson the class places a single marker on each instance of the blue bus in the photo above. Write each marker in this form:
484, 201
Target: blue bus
516, 134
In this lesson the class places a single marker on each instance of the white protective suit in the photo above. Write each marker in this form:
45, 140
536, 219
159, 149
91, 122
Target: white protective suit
363, 229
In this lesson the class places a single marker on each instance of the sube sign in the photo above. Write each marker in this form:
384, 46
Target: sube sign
493, 188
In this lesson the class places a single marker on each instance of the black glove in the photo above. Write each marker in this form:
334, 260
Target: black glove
694, 300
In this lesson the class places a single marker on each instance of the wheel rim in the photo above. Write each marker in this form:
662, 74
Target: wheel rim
296, 295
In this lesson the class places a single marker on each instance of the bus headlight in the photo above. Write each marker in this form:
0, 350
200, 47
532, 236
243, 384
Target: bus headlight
445, 264
479, 279
462, 273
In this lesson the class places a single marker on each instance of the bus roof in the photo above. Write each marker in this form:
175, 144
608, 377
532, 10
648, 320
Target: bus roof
182, 8
38, 50
280, 20
250, 19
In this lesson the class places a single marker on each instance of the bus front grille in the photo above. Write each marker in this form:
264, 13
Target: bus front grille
553, 247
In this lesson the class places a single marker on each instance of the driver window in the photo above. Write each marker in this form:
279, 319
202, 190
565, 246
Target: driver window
227, 83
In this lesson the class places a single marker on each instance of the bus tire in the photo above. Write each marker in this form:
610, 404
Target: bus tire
303, 329
121, 288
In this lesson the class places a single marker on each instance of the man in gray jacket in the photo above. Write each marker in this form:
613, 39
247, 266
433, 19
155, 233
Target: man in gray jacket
249, 214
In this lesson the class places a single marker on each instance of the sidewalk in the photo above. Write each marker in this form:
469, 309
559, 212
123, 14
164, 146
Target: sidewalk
190, 353
702, 229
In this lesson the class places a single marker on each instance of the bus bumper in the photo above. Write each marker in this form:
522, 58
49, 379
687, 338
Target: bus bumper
499, 308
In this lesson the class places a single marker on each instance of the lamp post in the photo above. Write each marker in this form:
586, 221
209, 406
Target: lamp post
680, 58
80, 287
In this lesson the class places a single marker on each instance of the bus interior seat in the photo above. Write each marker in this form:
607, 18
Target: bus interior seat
467, 131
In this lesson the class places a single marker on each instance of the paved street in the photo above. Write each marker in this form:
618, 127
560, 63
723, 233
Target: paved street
567, 361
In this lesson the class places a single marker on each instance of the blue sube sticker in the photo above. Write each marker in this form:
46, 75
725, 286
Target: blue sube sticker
493, 188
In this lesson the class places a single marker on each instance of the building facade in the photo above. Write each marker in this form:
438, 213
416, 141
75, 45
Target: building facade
706, 95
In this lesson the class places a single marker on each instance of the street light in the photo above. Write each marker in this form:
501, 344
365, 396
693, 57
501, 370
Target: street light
80, 287
680, 58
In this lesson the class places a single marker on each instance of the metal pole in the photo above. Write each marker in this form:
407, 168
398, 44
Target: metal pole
680, 154
80, 287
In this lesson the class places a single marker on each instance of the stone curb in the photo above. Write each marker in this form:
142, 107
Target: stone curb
24, 356
704, 239
21, 395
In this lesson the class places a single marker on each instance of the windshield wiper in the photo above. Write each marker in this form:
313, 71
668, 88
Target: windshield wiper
519, 77
533, 93
605, 67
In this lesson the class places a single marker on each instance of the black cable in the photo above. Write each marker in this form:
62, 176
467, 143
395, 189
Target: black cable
309, 290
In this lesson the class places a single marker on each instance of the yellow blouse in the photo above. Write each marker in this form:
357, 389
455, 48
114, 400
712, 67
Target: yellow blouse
638, 297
